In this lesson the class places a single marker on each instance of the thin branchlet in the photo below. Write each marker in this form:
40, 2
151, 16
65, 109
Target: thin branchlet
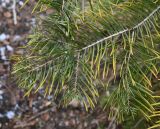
77, 70
123, 31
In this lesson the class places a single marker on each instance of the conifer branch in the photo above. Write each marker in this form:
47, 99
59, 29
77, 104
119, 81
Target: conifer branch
123, 31
133, 60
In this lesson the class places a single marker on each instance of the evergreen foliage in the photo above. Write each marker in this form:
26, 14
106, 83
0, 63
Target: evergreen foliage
86, 49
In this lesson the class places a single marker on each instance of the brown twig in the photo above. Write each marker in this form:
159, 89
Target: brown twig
29, 122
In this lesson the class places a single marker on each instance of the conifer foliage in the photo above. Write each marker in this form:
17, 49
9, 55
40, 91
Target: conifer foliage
89, 48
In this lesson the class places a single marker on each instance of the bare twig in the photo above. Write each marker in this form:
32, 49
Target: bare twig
29, 122
40, 113
113, 120
22, 125
136, 125
13, 96
14, 12
83, 6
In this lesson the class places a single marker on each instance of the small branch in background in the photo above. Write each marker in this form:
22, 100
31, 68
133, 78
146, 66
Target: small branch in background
30, 121
136, 125
123, 31
14, 12
83, 7
110, 126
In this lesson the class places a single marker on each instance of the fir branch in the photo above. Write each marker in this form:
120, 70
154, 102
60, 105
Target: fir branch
132, 55
123, 31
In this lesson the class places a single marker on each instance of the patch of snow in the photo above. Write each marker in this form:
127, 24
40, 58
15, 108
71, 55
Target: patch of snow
3, 37
1, 115
16, 38
10, 114
1, 92
3, 4
21, 3
9, 48
49, 97
16, 107
2, 53
1, 97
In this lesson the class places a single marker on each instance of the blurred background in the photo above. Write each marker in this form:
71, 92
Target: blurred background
35, 111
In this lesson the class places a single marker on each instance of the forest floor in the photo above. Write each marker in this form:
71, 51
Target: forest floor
35, 111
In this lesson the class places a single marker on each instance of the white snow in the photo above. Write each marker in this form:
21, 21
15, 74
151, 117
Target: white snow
10, 114
9, 48
2, 53
1, 97
3, 37
1, 92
